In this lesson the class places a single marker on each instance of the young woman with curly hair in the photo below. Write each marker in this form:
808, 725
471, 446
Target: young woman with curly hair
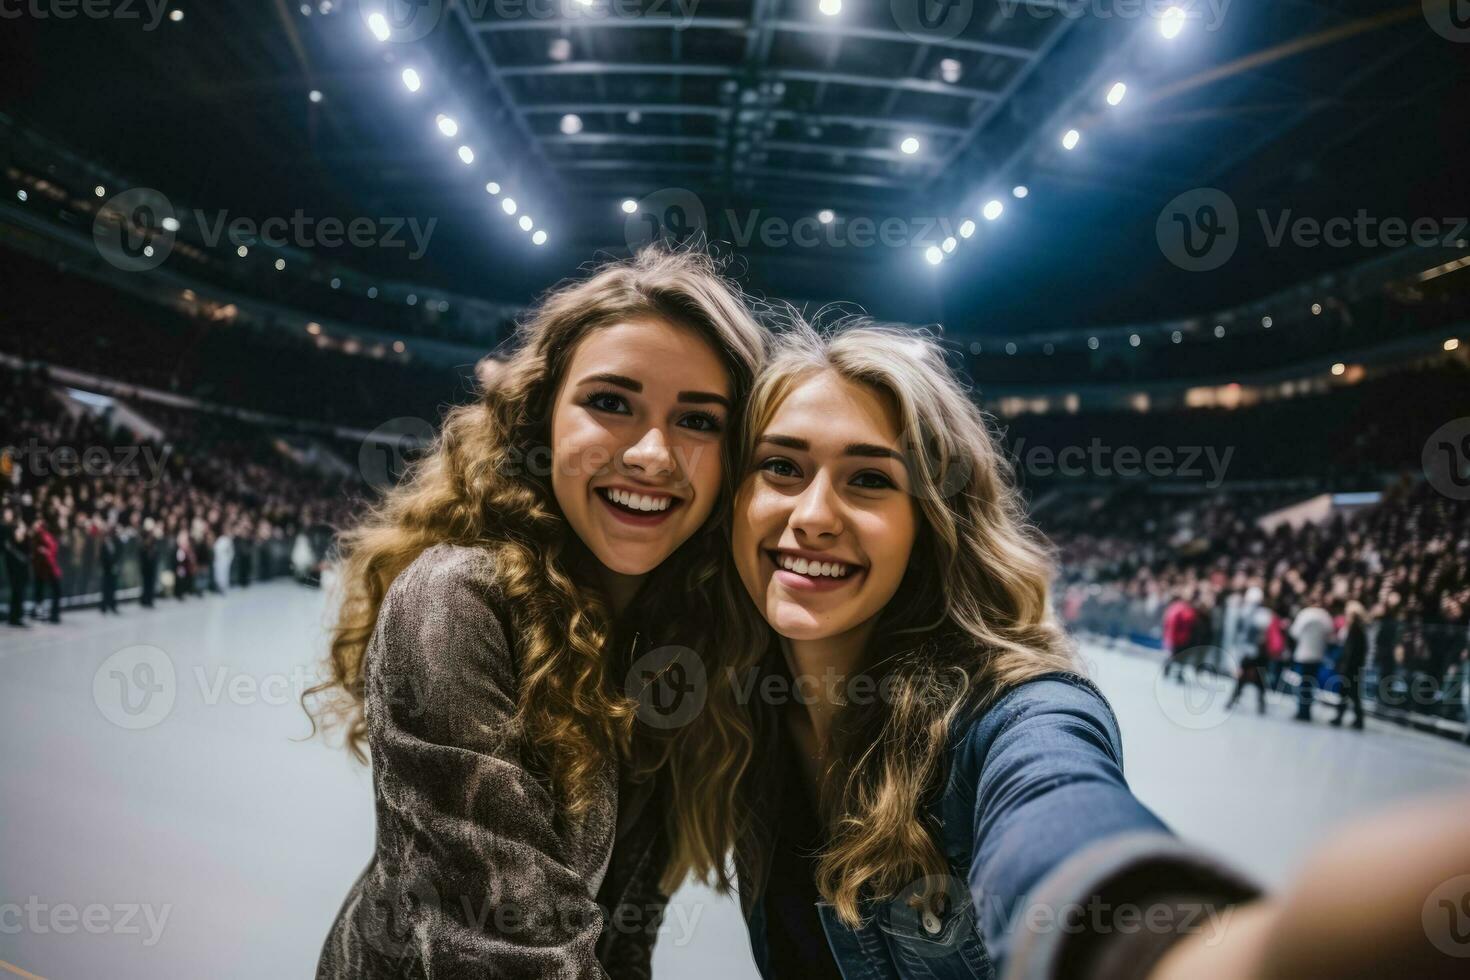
572, 517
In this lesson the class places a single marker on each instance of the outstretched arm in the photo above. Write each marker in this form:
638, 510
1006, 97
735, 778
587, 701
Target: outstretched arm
1387, 897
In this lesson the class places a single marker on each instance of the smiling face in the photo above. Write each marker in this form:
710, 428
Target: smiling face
826, 522
636, 432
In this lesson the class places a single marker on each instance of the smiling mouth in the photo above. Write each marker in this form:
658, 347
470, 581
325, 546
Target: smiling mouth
813, 575
638, 508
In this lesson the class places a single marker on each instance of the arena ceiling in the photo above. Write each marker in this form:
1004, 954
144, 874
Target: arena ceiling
744, 118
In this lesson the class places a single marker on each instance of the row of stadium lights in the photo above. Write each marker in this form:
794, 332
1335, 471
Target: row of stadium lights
1170, 24
449, 128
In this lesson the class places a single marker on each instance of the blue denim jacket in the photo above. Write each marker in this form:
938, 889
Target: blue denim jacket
1036, 818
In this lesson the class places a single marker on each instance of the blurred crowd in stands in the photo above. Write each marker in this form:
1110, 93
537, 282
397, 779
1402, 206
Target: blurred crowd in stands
89, 510
281, 370
1381, 594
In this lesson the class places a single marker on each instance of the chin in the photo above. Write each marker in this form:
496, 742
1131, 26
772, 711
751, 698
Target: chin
795, 622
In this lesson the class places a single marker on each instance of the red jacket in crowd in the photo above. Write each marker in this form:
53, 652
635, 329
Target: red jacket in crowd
1179, 620
45, 554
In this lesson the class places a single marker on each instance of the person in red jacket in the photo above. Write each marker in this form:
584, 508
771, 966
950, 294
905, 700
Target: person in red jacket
1180, 620
46, 567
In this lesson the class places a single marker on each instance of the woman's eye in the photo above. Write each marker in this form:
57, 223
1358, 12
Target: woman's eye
606, 401
873, 480
701, 422
777, 466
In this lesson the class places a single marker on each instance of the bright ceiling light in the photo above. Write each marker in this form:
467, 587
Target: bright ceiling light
830, 7
447, 125
1171, 22
910, 145
526, 223
950, 244
993, 209
1116, 93
492, 188
571, 124
934, 255
378, 24
411, 80
967, 228
467, 155
539, 238
630, 206
508, 205
1070, 139
826, 216
1020, 191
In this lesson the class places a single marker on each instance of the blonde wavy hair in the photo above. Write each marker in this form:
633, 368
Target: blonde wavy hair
971, 618
471, 488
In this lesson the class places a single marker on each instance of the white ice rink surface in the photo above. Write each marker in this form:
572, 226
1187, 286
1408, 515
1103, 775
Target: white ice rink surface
205, 838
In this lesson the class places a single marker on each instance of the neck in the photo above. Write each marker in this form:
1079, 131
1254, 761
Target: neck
620, 589
820, 670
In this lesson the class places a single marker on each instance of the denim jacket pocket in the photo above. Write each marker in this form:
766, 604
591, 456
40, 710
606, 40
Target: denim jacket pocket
940, 941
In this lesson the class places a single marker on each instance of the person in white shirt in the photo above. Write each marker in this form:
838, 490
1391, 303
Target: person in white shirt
1312, 629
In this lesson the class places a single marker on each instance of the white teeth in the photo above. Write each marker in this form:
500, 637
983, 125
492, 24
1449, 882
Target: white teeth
639, 501
813, 569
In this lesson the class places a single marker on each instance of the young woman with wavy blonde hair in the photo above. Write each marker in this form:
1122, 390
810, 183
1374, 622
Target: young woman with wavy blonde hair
572, 516
936, 791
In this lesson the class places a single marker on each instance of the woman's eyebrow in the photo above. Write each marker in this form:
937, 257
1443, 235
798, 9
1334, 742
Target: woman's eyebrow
704, 398
620, 380
623, 381
866, 450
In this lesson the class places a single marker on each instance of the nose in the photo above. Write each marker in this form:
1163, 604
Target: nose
650, 455
817, 513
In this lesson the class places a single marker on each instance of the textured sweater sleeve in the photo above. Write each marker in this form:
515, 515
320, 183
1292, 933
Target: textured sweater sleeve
473, 875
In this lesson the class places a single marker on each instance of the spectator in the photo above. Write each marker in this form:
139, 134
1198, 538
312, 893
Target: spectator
1180, 620
1350, 667
1253, 622
148, 547
17, 564
110, 558
1311, 629
224, 558
46, 568
184, 565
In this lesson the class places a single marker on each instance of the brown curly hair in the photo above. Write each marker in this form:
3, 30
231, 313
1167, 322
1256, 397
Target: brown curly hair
472, 487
